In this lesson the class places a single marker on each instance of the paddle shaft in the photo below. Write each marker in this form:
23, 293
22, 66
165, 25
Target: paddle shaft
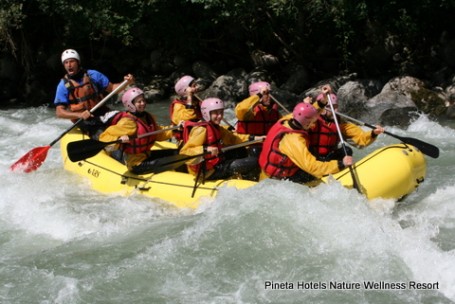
175, 161
96, 107
355, 182
118, 141
426, 148
280, 104
225, 149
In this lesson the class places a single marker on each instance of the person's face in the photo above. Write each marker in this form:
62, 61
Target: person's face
216, 116
328, 113
310, 124
266, 98
71, 66
140, 103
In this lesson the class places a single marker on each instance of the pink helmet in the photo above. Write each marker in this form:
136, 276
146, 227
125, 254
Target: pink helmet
304, 113
183, 84
129, 96
333, 98
256, 87
209, 105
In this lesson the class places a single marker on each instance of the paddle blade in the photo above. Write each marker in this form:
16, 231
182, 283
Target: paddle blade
424, 147
83, 149
31, 160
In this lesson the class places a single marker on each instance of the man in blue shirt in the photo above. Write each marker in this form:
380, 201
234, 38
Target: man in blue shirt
80, 90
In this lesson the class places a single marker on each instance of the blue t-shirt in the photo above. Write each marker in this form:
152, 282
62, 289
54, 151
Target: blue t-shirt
98, 79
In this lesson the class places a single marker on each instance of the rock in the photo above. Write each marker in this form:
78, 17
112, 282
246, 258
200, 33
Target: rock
398, 117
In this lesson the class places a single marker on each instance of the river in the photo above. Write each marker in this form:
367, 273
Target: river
277, 242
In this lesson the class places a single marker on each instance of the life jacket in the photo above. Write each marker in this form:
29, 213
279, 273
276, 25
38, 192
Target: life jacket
262, 121
272, 161
138, 145
82, 96
178, 135
213, 139
323, 138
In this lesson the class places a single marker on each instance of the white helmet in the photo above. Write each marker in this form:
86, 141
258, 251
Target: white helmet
70, 53
183, 84
209, 105
129, 96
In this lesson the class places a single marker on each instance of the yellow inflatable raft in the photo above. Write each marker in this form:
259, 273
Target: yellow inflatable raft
110, 176
390, 172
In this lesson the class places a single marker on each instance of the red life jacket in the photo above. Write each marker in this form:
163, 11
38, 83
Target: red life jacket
262, 121
178, 135
138, 145
213, 139
323, 137
82, 96
272, 161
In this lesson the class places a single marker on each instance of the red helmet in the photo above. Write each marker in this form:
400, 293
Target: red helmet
256, 87
333, 98
209, 105
305, 114
129, 96
183, 84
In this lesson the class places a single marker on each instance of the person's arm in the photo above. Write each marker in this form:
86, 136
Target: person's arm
165, 135
182, 112
61, 102
294, 146
125, 126
61, 111
244, 110
359, 136
112, 86
195, 144
229, 138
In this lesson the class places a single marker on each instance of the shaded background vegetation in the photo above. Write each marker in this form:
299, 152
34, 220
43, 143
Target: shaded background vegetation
376, 39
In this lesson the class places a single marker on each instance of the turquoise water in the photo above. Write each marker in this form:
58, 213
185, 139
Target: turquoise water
276, 242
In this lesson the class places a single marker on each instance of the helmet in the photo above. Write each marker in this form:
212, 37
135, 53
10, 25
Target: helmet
256, 87
183, 84
70, 53
304, 113
209, 105
333, 98
128, 97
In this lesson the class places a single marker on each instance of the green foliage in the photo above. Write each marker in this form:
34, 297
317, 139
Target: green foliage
11, 17
324, 35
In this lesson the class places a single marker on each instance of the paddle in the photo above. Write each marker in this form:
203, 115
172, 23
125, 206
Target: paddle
174, 161
33, 159
425, 147
86, 148
355, 182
